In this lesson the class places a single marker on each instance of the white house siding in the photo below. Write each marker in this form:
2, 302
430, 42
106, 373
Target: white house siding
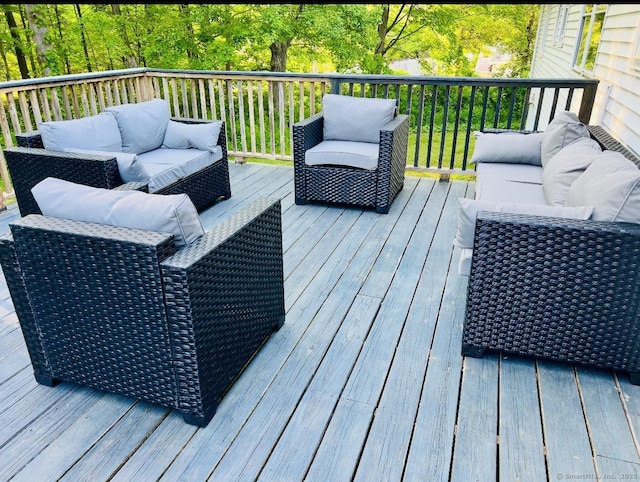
617, 103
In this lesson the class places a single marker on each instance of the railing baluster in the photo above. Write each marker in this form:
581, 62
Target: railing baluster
212, 99
467, 136
567, 105
455, 130
556, 93
512, 103
443, 135
252, 123
232, 115
416, 154
243, 134
539, 110
485, 101
263, 148
432, 120
203, 99
496, 117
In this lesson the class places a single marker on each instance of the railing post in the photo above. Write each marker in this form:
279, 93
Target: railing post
335, 86
586, 104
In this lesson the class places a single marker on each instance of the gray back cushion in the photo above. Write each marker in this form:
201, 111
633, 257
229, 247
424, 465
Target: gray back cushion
507, 147
612, 185
174, 214
99, 132
566, 166
561, 131
357, 119
142, 125
203, 136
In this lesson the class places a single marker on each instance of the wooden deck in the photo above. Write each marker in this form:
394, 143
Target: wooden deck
364, 382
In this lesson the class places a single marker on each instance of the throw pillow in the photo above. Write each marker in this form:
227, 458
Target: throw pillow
171, 213
129, 167
359, 119
142, 125
612, 185
509, 147
99, 132
561, 131
203, 136
468, 212
566, 166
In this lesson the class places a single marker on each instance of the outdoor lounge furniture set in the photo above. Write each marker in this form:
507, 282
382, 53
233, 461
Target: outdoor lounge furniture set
551, 244
115, 282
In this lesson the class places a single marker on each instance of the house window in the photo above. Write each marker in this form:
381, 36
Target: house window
561, 25
590, 32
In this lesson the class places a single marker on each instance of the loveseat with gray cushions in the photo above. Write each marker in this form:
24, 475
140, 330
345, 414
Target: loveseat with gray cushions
129, 143
551, 244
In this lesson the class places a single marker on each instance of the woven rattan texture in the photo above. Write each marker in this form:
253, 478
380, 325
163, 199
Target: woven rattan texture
555, 288
608, 142
347, 185
225, 296
30, 165
121, 310
99, 304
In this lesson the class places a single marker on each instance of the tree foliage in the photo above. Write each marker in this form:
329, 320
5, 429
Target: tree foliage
50, 39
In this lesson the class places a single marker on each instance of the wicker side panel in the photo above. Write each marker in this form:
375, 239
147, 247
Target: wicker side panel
96, 294
606, 141
306, 134
225, 296
555, 288
28, 167
394, 143
20, 299
205, 186
342, 184
30, 139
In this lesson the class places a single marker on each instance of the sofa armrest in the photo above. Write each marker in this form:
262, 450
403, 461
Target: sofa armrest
30, 139
28, 166
228, 284
306, 134
555, 288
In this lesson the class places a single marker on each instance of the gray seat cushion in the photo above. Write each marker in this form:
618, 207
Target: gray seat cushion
494, 189
510, 172
165, 166
363, 155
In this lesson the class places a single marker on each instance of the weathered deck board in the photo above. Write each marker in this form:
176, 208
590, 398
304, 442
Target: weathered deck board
365, 380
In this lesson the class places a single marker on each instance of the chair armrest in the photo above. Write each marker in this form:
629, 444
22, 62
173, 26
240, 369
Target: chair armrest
556, 288
392, 160
306, 134
30, 139
28, 166
235, 267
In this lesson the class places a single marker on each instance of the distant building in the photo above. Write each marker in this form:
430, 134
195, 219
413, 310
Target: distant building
488, 65
411, 66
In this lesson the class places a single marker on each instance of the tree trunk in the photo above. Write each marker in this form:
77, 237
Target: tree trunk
5, 62
129, 61
82, 37
39, 32
383, 28
17, 44
279, 56
67, 64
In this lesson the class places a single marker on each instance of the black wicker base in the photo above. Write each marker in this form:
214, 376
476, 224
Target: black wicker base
559, 289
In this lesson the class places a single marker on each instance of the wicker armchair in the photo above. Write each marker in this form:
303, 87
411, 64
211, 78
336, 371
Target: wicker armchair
120, 310
351, 185
561, 289
30, 163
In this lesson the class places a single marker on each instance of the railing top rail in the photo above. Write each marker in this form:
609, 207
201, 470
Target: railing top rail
351, 78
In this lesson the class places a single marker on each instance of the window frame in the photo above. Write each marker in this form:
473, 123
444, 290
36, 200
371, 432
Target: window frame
587, 22
561, 26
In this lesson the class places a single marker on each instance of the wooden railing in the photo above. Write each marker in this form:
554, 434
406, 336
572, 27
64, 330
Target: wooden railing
260, 108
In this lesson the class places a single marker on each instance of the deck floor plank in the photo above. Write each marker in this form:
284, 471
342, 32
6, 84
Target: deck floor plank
365, 380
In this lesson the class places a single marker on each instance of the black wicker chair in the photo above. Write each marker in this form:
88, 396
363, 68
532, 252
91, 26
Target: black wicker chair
566, 290
120, 310
351, 185
30, 163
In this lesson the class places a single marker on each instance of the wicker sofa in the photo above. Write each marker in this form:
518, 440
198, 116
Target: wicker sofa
124, 310
557, 288
161, 166
354, 152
